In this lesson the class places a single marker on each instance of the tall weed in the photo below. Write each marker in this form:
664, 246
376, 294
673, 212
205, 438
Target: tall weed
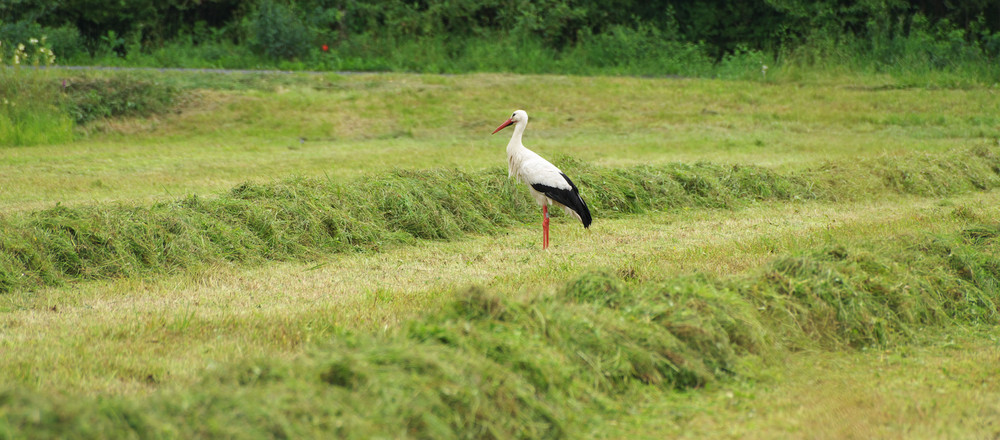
29, 111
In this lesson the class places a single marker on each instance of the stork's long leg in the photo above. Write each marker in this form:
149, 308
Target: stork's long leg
545, 226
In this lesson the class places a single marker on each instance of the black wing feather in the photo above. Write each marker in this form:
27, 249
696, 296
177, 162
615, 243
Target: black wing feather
569, 197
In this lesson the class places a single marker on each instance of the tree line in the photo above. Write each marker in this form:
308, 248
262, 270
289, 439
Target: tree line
286, 29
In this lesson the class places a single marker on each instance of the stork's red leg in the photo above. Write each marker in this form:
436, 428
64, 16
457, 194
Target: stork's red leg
545, 227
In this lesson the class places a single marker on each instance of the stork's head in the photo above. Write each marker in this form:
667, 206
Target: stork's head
519, 117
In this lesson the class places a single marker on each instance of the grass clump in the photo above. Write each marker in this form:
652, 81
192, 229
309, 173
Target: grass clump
860, 298
90, 98
546, 366
305, 218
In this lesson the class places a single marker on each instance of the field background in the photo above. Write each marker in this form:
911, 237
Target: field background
803, 251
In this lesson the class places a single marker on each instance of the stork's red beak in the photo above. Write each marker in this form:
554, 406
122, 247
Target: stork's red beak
506, 123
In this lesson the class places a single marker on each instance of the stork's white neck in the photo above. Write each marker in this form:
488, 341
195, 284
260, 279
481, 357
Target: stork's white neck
516, 152
515, 139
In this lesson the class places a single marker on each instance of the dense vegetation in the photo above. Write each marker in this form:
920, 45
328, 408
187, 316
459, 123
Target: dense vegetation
719, 37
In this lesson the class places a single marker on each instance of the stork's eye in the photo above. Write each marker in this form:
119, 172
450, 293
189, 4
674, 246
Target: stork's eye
512, 115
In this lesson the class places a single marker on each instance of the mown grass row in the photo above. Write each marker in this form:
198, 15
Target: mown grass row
306, 218
543, 366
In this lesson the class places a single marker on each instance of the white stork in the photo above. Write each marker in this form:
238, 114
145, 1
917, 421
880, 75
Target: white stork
547, 184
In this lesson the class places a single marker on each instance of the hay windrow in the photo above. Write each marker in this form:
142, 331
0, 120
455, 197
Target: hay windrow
486, 366
300, 219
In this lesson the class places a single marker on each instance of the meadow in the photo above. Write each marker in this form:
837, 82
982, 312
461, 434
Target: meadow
326, 254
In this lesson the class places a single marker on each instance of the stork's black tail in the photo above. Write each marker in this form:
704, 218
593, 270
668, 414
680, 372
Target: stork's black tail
570, 198
582, 211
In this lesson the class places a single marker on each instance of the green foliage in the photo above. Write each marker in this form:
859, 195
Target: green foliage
13, 33
278, 32
111, 44
65, 41
187, 54
713, 38
644, 50
744, 63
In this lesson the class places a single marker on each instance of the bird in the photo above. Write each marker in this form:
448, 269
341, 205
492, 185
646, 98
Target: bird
548, 185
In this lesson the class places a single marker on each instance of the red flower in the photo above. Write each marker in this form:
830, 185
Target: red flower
326, 48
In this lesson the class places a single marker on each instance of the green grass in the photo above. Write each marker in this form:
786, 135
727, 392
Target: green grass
29, 114
204, 276
235, 128
34, 127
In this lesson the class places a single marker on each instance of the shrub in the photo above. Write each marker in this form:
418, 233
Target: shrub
65, 41
277, 32
13, 33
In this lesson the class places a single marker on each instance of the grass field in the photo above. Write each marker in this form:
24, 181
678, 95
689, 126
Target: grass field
235, 128
282, 256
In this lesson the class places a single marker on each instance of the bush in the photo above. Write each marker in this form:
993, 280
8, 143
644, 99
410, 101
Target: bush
744, 63
65, 41
277, 32
13, 33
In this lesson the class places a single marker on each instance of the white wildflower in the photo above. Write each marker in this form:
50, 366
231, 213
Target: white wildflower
20, 46
33, 40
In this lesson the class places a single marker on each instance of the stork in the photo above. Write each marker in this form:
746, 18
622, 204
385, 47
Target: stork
547, 184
